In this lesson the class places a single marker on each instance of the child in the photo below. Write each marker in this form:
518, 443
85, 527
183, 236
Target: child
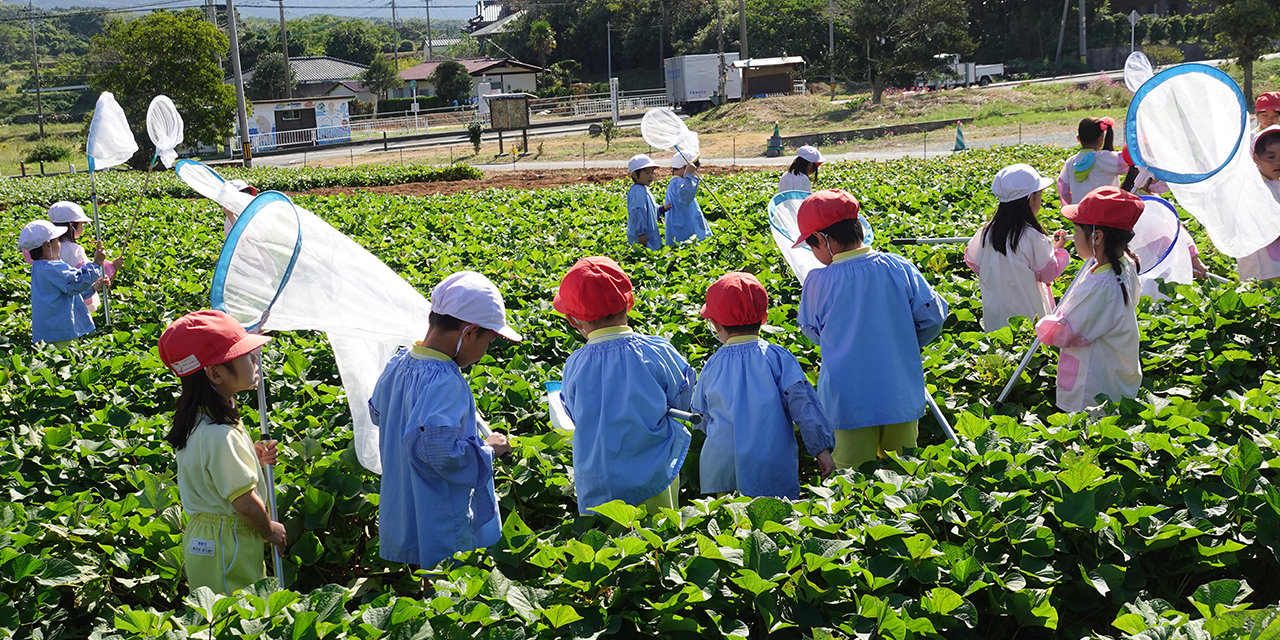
806, 164
1096, 325
218, 479
751, 392
1267, 109
58, 311
437, 461
618, 389
871, 312
642, 210
1013, 256
684, 219
69, 216
1096, 165
1264, 264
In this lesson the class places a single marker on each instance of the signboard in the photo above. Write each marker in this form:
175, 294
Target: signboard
508, 111
1134, 17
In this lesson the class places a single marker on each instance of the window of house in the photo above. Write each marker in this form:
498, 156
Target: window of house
292, 114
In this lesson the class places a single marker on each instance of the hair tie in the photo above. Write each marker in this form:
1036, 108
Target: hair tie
1107, 123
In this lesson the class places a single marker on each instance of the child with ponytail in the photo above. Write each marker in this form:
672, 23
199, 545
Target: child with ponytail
218, 462
1097, 164
1096, 325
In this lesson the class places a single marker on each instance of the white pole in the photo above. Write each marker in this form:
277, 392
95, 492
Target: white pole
1035, 344
97, 233
268, 469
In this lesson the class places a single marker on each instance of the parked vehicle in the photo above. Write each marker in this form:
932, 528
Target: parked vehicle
953, 73
693, 82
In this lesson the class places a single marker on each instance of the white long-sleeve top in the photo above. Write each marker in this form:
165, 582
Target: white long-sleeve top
1015, 283
794, 182
1264, 263
1109, 168
1098, 336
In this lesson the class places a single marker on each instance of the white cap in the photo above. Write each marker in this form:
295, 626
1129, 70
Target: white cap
36, 233
471, 297
638, 162
67, 212
1018, 181
678, 161
810, 153
1269, 131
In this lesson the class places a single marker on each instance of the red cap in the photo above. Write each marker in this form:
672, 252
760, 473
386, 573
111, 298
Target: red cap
594, 288
1269, 101
1106, 206
204, 338
824, 209
736, 299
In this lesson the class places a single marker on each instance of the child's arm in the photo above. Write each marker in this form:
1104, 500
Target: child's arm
441, 451
686, 190
804, 409
1056, 262
971, 250
1082, 317
808, 316
1064, 185
687, 381
79, 281
250, 507
928, 309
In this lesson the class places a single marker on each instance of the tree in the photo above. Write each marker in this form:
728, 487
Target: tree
170, 53
269, 78
898, 39
452, 81
353, 41
467, 47
381, 76
542, 40
1245, 29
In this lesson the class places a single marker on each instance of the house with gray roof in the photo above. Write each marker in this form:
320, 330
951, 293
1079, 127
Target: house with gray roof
324, 76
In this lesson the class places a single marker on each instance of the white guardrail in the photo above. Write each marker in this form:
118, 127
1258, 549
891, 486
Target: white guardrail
408, 122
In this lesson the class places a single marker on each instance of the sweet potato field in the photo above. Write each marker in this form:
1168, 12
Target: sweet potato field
1158, 518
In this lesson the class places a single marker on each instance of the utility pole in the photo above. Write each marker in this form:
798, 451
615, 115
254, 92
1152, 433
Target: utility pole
396, 37
211, 8
1083, 45
831, 44
608, 35
284, 45
430, 49
35, 66
235, 68
720, 40
742, 30
662, 29
1062, 32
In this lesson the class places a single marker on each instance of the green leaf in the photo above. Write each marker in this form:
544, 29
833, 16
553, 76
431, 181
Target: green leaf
941, 601
1219, 596
526, 601
1080, 473
560, 615
619, 512
317, 504
58, 572
23, 566
882, 531
55, 437
1248, 456
752, 582
969, 425
277, 601
762, 510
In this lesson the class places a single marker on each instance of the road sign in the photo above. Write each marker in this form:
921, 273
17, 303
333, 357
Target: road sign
413, 84
1134, 17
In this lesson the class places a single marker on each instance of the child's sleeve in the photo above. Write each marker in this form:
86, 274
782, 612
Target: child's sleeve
1064, 184
928, 309
440, 451
233, 466
971, 250
1083, 316
699, 404
687, 381
686, 190
804, 409
79, 281
635, 216
1046, 261
809, 316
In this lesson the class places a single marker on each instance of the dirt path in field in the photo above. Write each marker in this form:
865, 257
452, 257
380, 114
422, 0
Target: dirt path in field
530, 179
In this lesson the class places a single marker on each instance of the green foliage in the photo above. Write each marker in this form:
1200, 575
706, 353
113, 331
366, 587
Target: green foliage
474, 132
903, 36
353, 41
542, 39
381, 76
174, 53
608, 131
270, 78
398, 105
1155, 517
1245, 29
46, 152
125, 186
452, 82
1163, 55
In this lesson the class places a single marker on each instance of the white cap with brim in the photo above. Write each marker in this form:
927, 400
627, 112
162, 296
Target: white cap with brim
810, 153
1262, 135
638, 162
1018, 181
67, 212
471, 297
678, 161
36, 233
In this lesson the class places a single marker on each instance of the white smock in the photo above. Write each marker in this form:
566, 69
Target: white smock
1098, 335
794, 182
1108, 169
1264, 263
1015, 283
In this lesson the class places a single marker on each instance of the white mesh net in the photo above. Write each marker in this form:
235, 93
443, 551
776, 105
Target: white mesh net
320, 280
110, 141
1187, 124
164, 127
209, 184
662, 128
1162, 248
783, 210
1137, 70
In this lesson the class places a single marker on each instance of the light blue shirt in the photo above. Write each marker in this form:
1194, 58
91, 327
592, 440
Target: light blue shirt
617, 389
685, 219
437, 493
57, 299
871, 312
746, 391
642, 217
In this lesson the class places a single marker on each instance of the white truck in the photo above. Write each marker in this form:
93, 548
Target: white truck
693, 81
954, 73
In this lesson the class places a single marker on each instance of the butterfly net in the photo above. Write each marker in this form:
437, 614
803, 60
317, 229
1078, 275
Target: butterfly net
1162, 247
1187, 125
164, 127
783, 211
284, 269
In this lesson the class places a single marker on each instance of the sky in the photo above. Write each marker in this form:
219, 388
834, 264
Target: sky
456, 9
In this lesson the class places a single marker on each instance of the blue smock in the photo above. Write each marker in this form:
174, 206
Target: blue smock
642, 217
871, 312
617, 389
437, 493
685, 219
57, 299
751, 392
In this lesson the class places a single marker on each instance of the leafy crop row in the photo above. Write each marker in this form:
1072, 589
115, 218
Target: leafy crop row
1159, 516
115, 186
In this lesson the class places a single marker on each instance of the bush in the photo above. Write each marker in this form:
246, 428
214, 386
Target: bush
1162, 55
46, 152
474, 131
397, 105
363, 107
609, 130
